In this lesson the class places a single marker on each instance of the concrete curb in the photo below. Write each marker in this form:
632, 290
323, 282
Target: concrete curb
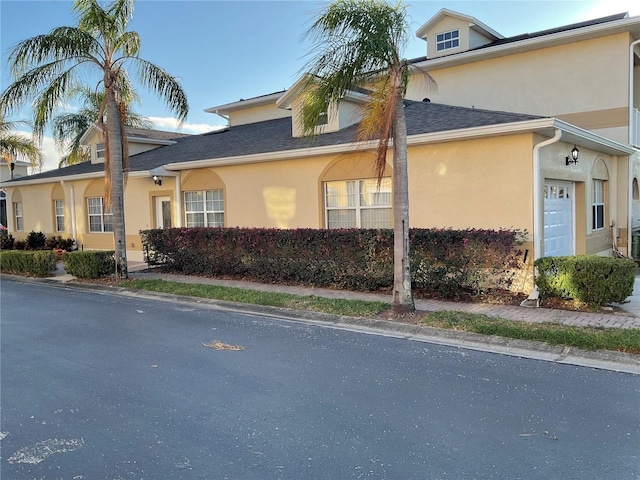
601, 359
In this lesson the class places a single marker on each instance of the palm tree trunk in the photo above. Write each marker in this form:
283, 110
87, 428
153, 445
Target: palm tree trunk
114, 130
402, 297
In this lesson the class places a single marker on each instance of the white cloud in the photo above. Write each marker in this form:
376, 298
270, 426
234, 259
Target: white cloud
49, 151
172, 125
51, 154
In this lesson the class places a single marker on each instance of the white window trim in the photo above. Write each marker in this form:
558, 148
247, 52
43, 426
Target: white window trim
442, 40
18, 217
59, 216
204, 211
101, 150
597, 202
358, 207
103, 213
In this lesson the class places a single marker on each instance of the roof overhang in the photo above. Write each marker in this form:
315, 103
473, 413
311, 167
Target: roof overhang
627, 25
93, 129
225, 109
545, 127
150, 141
160, 171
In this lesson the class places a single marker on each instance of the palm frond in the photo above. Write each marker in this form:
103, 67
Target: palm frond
358, 44
61, 44
48, 99
166, 86
15, 146
129, 44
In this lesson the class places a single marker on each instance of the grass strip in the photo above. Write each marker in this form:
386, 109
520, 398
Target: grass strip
355, 308
614, 339
585, 338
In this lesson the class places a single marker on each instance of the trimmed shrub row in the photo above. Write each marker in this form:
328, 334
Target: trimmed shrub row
591, 279
444, 262
38, 264
42, 263
90, 264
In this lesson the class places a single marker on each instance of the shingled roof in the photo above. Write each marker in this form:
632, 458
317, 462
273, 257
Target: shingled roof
275, 135
153, 134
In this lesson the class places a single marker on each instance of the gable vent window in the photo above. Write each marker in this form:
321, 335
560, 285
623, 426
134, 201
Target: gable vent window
323, 119
100, 150
447, 40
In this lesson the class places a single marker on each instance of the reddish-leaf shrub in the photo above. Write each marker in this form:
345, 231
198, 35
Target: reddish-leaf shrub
443, 262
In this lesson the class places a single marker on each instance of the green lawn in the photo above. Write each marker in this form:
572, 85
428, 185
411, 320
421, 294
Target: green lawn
616, 339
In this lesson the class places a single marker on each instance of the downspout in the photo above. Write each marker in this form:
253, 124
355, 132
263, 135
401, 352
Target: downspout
538, 225
74, 228
631, 133
178, 201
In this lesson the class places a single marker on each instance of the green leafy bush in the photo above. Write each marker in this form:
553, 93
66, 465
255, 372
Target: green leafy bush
57, 242
36, 240
89, 264
591, 279
444, 262
6, 240
38, 263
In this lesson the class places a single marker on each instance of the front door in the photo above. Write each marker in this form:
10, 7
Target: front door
163, 212
559, 237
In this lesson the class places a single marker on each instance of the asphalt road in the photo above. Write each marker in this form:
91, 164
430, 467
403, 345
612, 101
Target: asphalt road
98, 386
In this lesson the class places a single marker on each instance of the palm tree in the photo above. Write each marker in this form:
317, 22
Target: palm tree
14, 146
357, 43
46, 68
69, 128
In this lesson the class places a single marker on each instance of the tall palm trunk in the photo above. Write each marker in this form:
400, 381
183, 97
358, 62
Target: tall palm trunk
402, 297
116, 178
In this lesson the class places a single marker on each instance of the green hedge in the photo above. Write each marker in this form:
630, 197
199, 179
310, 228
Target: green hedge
444, 262
89, 264
38, 263
591, 279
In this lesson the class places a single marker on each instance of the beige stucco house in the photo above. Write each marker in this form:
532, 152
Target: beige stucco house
9, 170
491, 147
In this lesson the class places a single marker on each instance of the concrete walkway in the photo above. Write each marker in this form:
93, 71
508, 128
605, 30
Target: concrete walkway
630, 318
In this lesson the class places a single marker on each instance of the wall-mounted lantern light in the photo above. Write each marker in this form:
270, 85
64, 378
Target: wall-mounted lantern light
157, 180
573, 159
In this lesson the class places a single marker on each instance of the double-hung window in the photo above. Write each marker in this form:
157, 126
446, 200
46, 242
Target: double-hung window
100, 217
204, 208
447, 40
58, 206
101, 150
358, 204
597, 205
17, 216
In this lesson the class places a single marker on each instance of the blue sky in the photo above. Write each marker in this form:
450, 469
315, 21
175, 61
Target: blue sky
226, 50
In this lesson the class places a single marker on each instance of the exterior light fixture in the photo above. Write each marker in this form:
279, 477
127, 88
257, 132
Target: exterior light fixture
573, 159
157, 180
12, 166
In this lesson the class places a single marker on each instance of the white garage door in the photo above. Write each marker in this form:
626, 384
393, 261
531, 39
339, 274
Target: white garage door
558, 219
